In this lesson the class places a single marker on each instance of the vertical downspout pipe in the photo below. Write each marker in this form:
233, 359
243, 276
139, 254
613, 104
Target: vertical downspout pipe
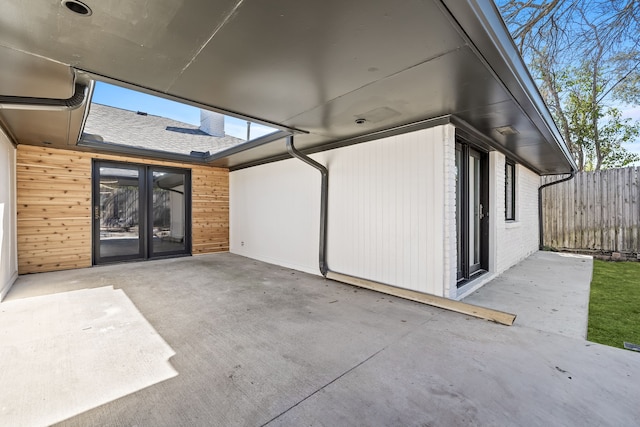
540, 219
324, 197
457, 306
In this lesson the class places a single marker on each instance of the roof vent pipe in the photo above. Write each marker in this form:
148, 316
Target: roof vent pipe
29, 103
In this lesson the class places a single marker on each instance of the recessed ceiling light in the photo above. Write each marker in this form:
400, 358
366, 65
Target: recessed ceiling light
77, 7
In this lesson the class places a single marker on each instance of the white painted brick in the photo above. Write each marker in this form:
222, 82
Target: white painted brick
510, 241
450, 246
517, 239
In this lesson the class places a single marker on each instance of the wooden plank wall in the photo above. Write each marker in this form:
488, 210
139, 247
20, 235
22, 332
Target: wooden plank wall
595, 211
54, 207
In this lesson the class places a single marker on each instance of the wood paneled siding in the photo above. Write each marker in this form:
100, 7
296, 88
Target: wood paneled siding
54, 207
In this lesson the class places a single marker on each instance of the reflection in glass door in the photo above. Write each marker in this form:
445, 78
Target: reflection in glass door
118, 213
168, 214
460, 212
140, 212
475, 210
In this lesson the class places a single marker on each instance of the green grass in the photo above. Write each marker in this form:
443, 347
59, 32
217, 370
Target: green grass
614, 305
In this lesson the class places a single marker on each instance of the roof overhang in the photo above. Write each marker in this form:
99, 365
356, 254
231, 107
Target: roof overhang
311, 68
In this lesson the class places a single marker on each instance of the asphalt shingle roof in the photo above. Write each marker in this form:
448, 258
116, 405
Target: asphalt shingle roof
124, 127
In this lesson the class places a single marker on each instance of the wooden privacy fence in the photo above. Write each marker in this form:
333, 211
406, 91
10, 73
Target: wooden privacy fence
595, 211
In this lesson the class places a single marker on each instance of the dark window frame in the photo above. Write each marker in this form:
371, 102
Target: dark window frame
509, 164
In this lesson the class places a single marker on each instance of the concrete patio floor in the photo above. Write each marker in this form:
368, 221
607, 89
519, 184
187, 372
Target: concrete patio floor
549, 291
257, 344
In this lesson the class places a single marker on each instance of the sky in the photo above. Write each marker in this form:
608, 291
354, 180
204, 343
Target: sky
127, 99
628, 111
633, 113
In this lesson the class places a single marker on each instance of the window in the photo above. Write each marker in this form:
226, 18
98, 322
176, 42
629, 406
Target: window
510, 191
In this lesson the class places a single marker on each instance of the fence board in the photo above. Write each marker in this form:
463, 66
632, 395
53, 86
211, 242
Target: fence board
594, 211
635, 199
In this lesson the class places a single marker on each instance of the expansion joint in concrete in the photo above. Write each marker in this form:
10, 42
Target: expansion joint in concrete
324, 386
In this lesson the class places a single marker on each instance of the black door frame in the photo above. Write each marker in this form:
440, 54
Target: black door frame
145, 211
463, 212
187, 211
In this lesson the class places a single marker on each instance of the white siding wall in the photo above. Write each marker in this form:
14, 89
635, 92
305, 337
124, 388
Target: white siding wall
274, 214
515, 240
387, 206
8, 244
391, 213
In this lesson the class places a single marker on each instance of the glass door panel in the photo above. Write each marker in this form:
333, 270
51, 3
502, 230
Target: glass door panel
475, 208
140, 212
168, 213
118, 213
459, 212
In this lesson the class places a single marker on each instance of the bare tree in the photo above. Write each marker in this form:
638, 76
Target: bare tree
585, 57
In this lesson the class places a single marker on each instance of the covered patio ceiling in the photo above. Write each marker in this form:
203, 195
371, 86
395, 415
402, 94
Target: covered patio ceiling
308, 67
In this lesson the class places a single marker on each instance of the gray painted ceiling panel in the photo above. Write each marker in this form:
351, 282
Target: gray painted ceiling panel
553, 163
28, 75
315, 66
146, 42
36, 127
487, 118
279, 59
453, 82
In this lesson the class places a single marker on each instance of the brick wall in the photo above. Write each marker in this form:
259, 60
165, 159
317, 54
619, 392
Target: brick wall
450, 241
516, 240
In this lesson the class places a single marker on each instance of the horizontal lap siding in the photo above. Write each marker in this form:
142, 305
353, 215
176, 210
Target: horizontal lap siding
54, 207
210, 209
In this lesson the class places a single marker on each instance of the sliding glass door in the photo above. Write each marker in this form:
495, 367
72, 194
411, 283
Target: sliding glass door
139, 212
